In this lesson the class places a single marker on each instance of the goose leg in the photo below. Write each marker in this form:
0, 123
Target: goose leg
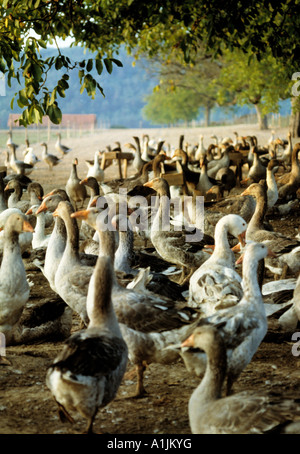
89, 428
284, 272
140, 390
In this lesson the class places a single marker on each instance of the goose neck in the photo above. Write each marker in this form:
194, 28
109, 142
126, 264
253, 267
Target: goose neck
210, 387
250, 282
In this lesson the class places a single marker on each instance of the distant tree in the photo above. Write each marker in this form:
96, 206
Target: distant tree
195, 84
261, 84
169, 107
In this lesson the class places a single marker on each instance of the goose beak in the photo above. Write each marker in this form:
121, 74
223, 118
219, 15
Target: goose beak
82, 214
236, 248
83, 181
7, 187
240, 260
29, 211
242, 238
27, 227
55, 213
189, 342
49, 193
246, 192
41, 208
93, 203
148, 184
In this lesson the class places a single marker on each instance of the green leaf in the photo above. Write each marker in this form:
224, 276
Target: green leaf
117, 62
58, 63
55, 114
89, 65
108, 65
23, 100
99, 66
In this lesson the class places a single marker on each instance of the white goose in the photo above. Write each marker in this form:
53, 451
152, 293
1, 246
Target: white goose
242, 326
57, 241
14, 287
39, 238
216, 284
94, 170
87, 373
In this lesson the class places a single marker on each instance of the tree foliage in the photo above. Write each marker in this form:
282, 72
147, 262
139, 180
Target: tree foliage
261, 84
26, 26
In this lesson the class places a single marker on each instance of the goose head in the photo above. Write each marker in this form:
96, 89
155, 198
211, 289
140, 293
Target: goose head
18, 223
49, 203
236, 226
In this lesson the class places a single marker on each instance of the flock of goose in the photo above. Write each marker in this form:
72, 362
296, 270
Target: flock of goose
133, 305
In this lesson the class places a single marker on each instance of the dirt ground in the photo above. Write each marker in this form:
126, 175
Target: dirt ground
26, 404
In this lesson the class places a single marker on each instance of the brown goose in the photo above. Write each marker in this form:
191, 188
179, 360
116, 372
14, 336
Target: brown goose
76, 191
50, 159
294, 174
63, 149
281, 245
171, 244
87, 373
241, 413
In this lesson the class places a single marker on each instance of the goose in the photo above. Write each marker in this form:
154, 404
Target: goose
241, 413
127, 261
145, 148
14, 200
200, 152
138, 162
94, 170
86, 231
294, 175
50, 159
258, 169
39, 238
286, 155
280, 244
14, 286
191, 177
76, 191
272, 191
10, 139
290, 319
3, 198
29, 155
148, 322
19, 167
72, 275
155, 308
242, 326
214, 166
172, 245
63, 149
216, 284
36, 193
204, 182
87, 373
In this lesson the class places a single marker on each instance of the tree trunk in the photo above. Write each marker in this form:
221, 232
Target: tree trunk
262, 120
295, 117
207, 115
